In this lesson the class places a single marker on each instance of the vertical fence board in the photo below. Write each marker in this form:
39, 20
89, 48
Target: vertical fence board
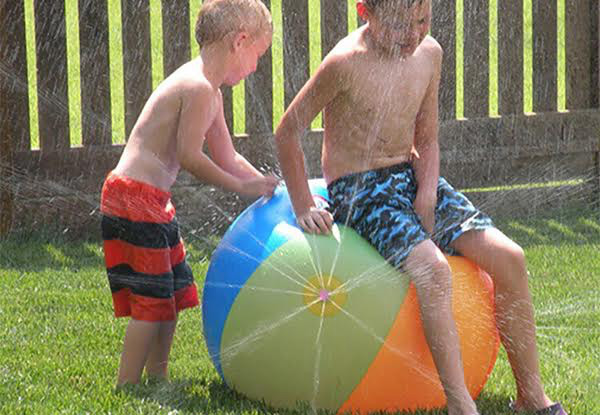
334, 23
176, 30
578, 44
14, 92
545, 67
595, 65
14, 108
510, 57
51, 49
227, 92
443, 29
259, 94
476, 59
596, 81
95, 72
295, 46
137, 69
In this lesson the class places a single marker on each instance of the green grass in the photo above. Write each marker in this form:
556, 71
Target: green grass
117, 90
60, 343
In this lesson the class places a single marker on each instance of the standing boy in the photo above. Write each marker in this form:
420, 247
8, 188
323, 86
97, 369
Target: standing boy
145, 257
379, 91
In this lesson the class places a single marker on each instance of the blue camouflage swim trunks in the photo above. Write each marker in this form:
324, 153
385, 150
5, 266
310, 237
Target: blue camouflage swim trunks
378, 204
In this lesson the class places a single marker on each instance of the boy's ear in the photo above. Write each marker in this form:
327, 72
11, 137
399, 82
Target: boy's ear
238, 39
363, 11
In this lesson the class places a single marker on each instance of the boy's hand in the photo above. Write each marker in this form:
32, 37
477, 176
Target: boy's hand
259, 186
316, 220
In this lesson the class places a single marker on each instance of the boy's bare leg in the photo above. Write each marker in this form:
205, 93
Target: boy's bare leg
505, 261
139, 337
431, 275
158, 357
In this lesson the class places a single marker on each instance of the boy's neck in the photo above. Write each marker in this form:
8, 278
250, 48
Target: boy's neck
376, 47
214, 64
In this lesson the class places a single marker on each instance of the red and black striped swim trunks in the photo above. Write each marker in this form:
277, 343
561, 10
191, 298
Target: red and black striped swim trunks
145, 257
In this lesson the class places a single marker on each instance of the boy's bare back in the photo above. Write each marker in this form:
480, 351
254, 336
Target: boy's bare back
151, 151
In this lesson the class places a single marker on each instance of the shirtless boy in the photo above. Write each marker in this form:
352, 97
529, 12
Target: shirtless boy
145, 257
378, 89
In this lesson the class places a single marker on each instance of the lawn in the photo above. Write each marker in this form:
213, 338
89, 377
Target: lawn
61, 344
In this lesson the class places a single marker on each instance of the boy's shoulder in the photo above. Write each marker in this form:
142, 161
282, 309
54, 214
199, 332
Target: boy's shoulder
188, 78
186, 87
431, 47
432, 44
345, 53
353, 45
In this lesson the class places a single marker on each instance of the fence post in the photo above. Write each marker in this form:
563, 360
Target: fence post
95, 73
545, 50
137, 60
334, 24
596, 58
443, 29
6, 148
14, 107
476, 59
259, 94
510, 57
597, 97
6, 190
295, 46
176, 39
52, 79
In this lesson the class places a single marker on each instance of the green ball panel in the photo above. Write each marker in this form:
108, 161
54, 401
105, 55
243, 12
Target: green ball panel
274, 348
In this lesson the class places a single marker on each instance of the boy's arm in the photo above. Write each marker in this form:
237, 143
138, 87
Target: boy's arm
222, 151
427, 165
321, 89
200, 107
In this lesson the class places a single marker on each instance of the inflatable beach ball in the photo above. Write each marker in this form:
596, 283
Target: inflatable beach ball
324, 322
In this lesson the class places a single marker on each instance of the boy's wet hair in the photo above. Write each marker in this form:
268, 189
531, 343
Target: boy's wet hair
218, 18
385, 4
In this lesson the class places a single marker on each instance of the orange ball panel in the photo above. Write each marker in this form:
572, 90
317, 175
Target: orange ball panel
403, 374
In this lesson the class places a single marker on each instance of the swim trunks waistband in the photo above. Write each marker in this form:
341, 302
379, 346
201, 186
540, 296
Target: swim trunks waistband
122, 196
382, 171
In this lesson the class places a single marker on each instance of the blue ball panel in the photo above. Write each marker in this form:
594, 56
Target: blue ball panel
250, 239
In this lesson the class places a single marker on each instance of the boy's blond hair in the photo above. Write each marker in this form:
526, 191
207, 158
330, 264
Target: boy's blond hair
218, 18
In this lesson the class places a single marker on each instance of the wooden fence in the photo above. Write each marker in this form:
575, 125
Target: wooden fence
515, 162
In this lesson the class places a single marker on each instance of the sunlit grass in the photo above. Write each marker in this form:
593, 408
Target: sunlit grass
61, 344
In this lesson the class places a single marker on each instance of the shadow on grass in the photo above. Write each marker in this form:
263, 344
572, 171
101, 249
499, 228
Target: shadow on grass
198, 396
34, 251
44, 249
574, 226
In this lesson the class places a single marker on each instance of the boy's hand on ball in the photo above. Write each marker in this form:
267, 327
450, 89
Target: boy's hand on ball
316, 220
271, 182
261, 186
